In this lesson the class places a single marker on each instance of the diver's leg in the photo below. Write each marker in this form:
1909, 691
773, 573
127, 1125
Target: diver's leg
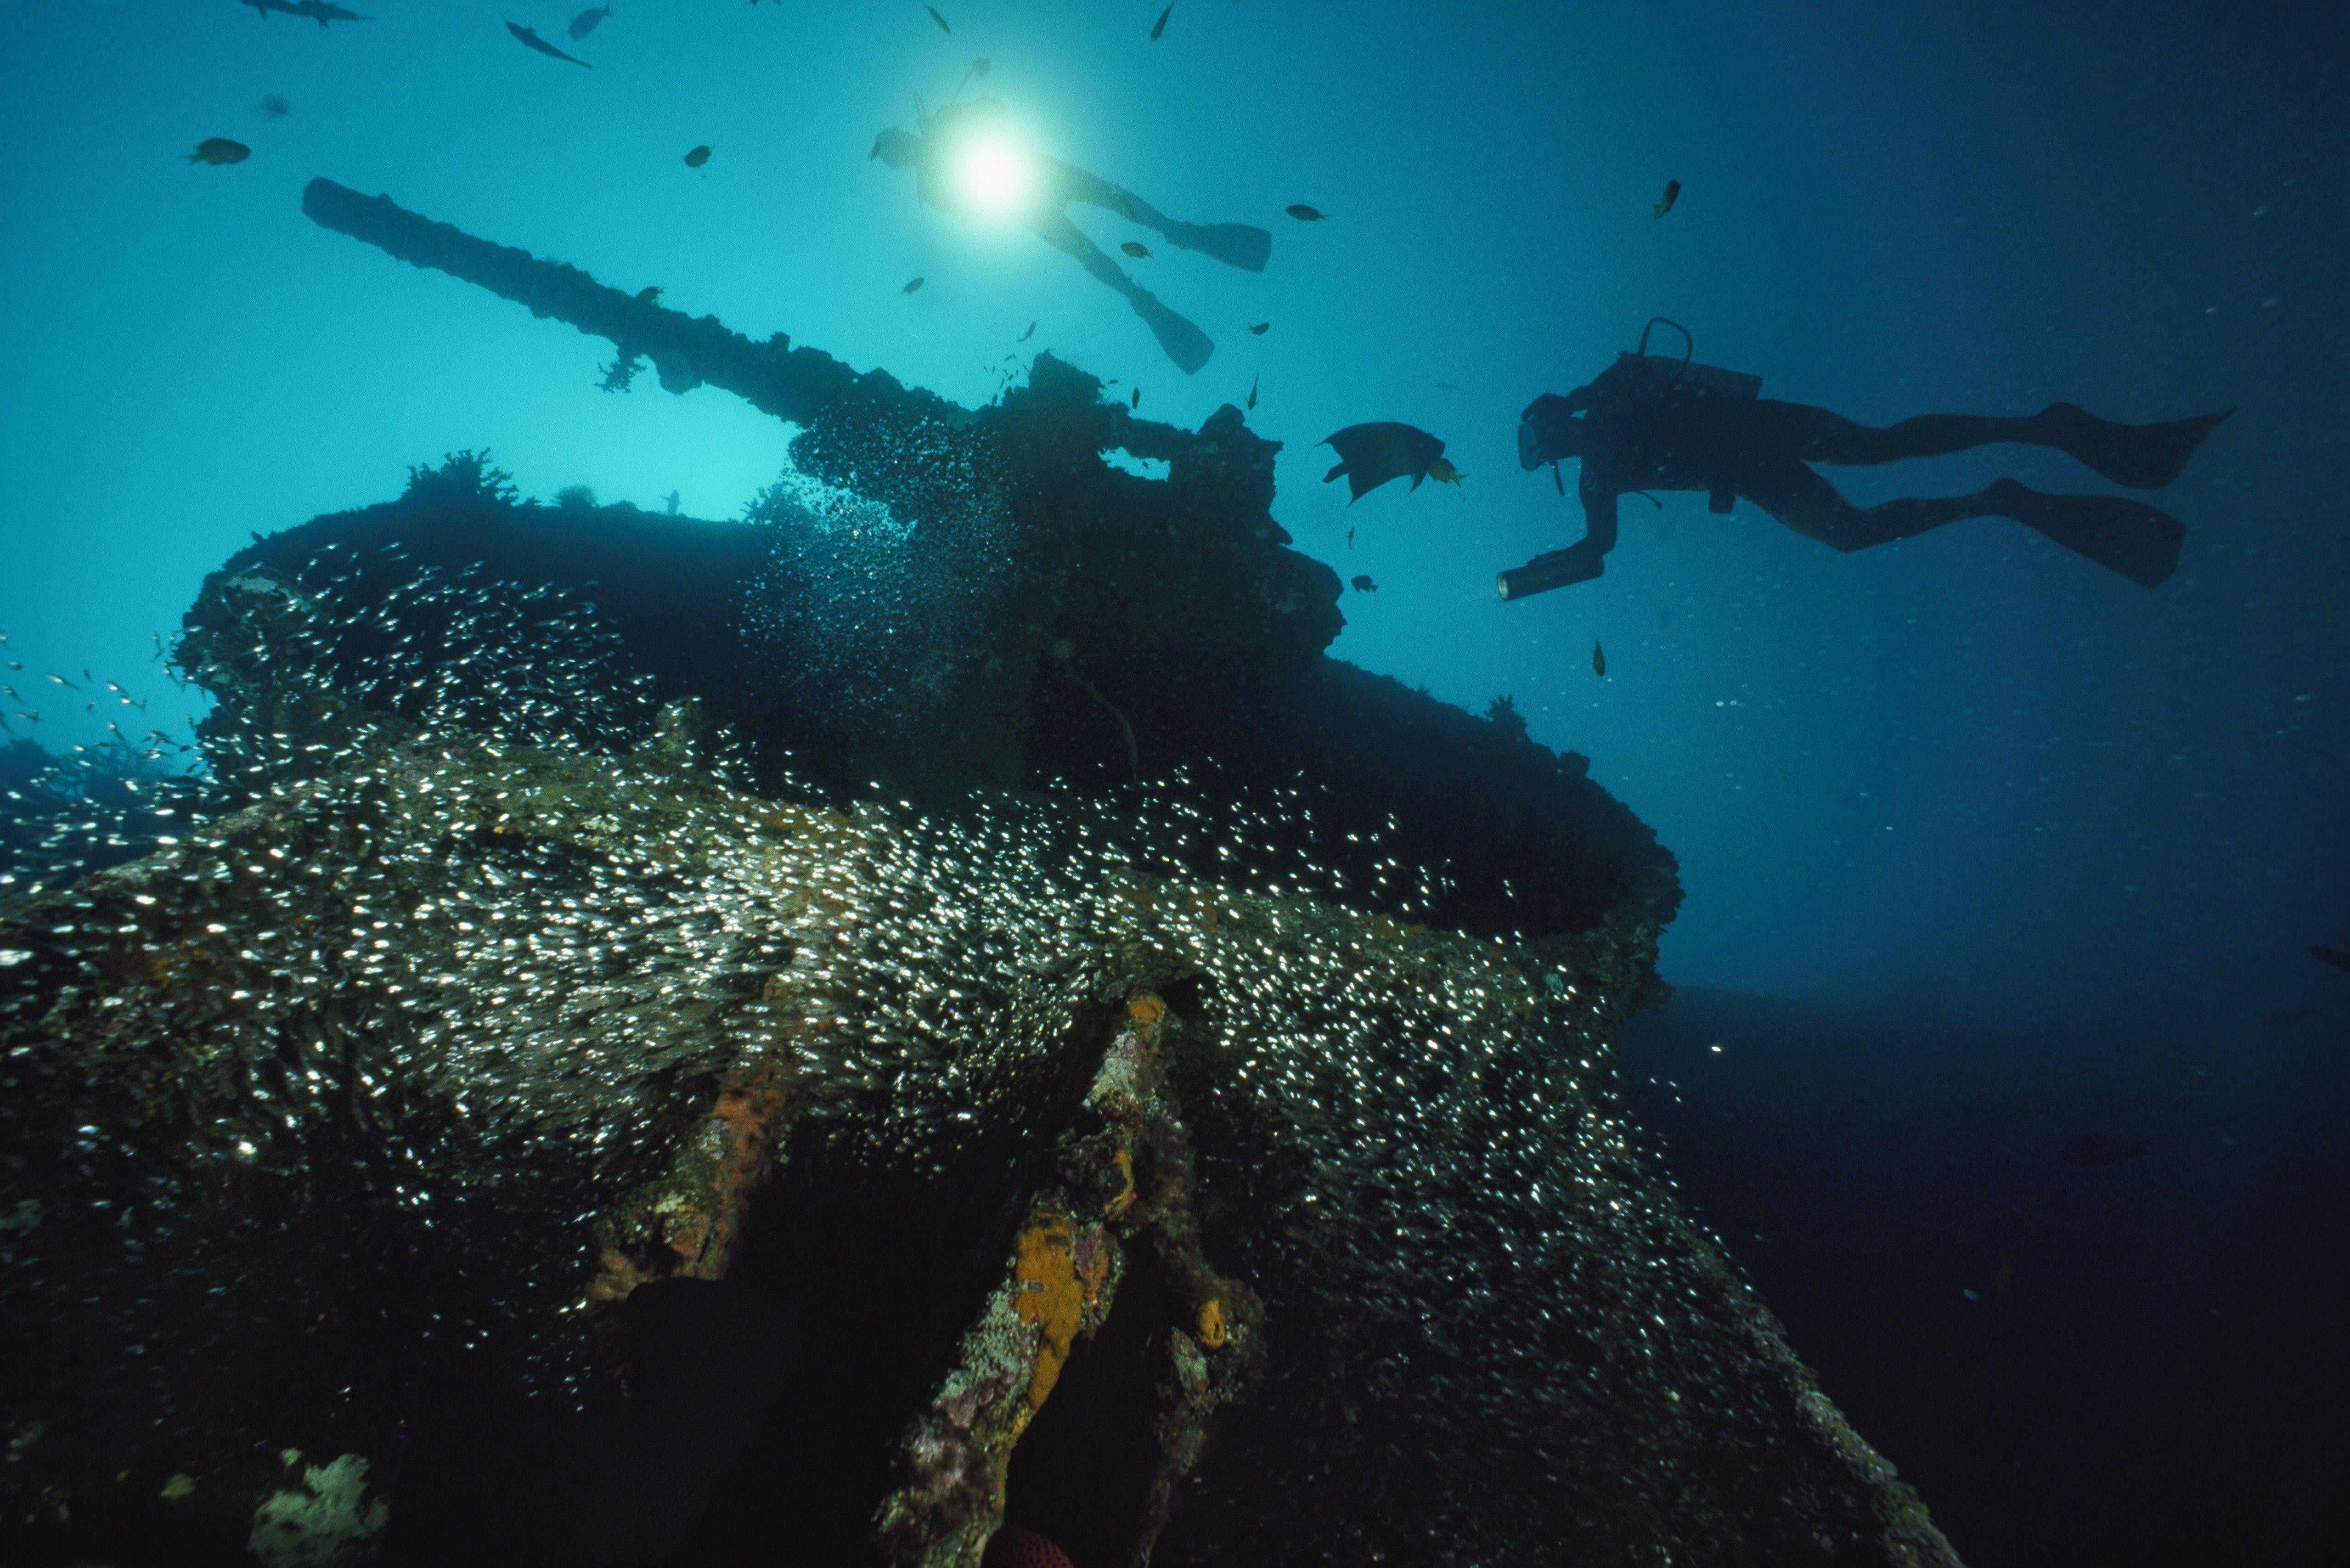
1813, 507
2121, 534
2142, 456
1185, 344
1235, 245
1818, 435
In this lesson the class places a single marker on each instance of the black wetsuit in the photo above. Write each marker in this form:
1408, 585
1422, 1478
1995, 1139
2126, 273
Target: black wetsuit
1650, 422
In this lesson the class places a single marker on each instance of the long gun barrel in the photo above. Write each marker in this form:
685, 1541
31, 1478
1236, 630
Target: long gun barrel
794, 384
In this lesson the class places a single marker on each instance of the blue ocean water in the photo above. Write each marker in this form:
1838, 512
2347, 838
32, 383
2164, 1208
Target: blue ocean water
1968, 779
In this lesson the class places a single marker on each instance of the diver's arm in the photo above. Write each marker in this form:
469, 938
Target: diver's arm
1598, 498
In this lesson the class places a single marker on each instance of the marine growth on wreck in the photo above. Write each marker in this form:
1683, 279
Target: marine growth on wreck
1040, 1045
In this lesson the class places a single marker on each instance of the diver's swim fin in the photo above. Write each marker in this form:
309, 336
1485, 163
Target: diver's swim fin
2143, 457
2117, 533
1243, 245
1184, 343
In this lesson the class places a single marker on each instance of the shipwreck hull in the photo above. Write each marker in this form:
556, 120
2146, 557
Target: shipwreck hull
935, 1006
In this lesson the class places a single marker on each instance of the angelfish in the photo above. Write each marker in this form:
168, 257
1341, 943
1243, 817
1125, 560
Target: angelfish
1371, 454
587, 21
220, 150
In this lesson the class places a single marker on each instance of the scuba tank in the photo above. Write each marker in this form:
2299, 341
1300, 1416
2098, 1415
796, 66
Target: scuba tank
1659, 376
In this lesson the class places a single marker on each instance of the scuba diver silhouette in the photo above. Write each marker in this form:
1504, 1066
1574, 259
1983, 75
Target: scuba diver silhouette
958, 129
1653, 423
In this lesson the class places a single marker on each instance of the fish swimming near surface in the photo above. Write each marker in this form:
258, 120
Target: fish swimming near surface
530, 40
1350, 538
275, 105
1306, 214
912, 287
1361, 583
942, 21
2333, 956
1027, 335
649, 295
1371, 454
1136, 249
1598, 658
1261, 328
2103, 1148
1135, 401
1672, 194
698, 156
1252, 381
220, 150
587, 21
1012, 1547
1160, 25
321, 12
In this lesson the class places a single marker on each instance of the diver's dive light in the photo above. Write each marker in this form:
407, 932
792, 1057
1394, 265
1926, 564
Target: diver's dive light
1559, 569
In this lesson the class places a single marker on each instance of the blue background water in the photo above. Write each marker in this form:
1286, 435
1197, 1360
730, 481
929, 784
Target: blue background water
1968, 776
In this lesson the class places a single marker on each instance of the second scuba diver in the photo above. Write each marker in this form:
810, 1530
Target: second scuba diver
940, 138
1654, 423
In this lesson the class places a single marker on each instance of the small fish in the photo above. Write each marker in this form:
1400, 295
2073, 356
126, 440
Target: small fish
1350, 538
275, 105
1135, 401
698, 156
2333, 956
1598, 658
64, 682
982, 66
1672, 194
1371, 454
1361, 583
1261, 328
649, 295
1306, 214
530, 40
588, 21
1136, 249
1252, 381
942, 21
2094, 1149
912, 287
220, 150
1027, 335
1160, 25
1441, 470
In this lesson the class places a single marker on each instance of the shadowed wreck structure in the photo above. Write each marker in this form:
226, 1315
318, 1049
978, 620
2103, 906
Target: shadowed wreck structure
936, 1006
